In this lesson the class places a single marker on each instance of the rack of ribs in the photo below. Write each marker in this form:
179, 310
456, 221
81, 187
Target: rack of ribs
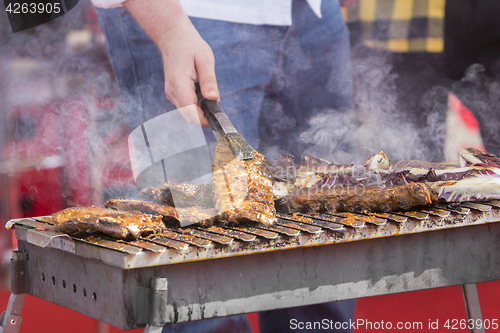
171, 215
357, 199
120, 225
185, 193
243, 190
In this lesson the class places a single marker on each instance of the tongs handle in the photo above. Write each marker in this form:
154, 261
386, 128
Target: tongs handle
208, 109
223, 128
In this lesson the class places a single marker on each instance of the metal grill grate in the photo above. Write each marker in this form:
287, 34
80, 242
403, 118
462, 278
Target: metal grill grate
290, 231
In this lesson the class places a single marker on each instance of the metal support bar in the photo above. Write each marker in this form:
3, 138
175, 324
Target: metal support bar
159, 304
19, 271
10, 320
472, 306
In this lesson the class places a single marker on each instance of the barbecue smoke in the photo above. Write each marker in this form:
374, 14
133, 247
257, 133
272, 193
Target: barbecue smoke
402, 110
381, 126
333, 137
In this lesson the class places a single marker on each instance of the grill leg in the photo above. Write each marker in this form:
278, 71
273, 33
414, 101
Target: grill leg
472, 306
153, 329
10, 320
158, 304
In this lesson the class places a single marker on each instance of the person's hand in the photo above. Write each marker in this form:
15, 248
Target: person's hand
187, 58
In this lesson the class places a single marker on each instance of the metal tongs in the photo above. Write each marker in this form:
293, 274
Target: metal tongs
223, 128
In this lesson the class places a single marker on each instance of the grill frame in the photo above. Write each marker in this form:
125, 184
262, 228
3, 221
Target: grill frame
245, 277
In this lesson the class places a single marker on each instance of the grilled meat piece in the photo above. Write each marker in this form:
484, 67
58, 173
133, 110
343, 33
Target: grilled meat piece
192, 215
357, 199
180, 195
121, 225
157, 195
243, 190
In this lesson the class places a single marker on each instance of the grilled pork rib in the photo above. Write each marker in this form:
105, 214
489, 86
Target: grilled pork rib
183, 194
243, 190
121, 225
192, 215
357, 199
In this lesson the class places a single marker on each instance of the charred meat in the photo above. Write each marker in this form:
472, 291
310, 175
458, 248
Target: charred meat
157, 195
171, 215
121, 225
180, 195
243, 190
357, 199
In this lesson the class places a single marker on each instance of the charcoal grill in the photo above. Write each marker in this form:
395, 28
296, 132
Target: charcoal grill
193, 274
